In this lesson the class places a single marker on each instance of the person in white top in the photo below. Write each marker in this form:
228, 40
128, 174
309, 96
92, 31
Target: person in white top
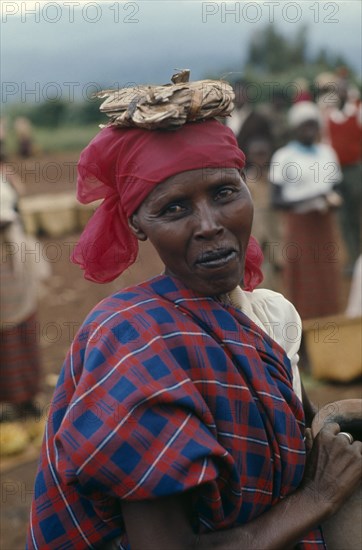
304, 175
20, 372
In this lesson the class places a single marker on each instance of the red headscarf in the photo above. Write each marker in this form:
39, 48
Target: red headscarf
122, 166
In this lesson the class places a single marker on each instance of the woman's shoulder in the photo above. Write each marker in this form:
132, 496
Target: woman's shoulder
265, 295
277, 316
281, 321
123, 304
271, 305
279, 160
326, 150
283, 152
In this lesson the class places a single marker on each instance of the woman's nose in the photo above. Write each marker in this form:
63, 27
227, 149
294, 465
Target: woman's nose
207, 223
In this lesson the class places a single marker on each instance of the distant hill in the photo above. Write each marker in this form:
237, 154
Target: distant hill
40, 58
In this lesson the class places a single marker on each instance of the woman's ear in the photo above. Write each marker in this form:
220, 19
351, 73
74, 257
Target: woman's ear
134, 226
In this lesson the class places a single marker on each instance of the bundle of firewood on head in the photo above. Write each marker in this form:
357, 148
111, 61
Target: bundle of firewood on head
167, 106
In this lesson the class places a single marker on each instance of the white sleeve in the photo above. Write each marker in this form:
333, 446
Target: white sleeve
277, 163
281, 321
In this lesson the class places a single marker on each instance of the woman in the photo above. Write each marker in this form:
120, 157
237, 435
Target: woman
20, 370
304, 174
174, 423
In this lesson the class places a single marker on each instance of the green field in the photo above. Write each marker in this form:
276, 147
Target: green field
62, 138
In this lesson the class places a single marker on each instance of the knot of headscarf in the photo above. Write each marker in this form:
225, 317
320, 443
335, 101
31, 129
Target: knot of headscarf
122, 166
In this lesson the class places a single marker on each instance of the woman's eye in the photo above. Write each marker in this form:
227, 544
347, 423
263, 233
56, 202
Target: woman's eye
173, 209
224, 192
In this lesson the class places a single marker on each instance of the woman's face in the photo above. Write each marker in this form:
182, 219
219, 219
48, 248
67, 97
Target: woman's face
199, 222
307, 132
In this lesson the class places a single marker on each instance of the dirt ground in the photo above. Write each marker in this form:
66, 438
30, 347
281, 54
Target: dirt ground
65, 301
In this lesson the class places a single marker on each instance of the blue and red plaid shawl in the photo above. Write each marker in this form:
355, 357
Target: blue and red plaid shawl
163, 391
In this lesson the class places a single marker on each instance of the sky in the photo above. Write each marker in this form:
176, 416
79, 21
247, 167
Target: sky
68, 45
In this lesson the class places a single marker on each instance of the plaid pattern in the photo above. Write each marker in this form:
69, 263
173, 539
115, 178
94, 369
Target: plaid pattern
163, 391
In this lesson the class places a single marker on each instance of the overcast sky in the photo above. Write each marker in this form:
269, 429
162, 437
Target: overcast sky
143, 41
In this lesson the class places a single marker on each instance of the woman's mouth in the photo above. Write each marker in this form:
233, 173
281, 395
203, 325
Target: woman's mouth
216, 258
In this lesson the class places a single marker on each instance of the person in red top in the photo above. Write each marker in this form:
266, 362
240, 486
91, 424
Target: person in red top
344, 132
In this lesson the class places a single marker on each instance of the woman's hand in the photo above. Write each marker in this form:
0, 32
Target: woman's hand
334, 200
332, 472
333, 467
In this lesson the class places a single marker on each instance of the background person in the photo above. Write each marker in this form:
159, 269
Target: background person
276, 112
354, 304
267, 222
20, 372
24, 136
246, 121
343, 131
304, 174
